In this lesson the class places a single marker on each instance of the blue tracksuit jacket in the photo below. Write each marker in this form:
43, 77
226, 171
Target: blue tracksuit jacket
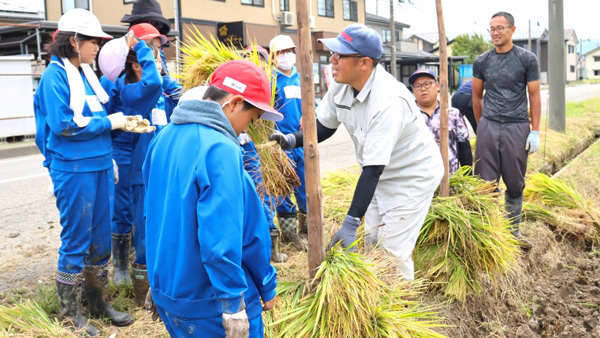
207, 241
65, 146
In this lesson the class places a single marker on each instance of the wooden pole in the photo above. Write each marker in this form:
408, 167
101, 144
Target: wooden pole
445, 185
316, 239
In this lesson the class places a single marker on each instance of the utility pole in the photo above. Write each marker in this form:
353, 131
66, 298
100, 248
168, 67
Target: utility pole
529, 40
393, 41
556, 66
177, 19
445, 184
312, 173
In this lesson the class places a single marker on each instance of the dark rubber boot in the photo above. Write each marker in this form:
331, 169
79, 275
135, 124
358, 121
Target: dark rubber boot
287, 225
302, 225
120, 257
95, 285
276, 256
139, 275
513, 207
69, 303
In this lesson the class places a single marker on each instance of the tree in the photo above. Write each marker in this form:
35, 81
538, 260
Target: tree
471, 45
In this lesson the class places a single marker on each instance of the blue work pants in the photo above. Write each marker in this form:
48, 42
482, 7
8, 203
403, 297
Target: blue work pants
180, 327
287, 206
84, 201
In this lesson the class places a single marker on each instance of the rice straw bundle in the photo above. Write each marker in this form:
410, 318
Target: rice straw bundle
561, 206
27, 317
201, 56
338, 191
464, 237
351, 300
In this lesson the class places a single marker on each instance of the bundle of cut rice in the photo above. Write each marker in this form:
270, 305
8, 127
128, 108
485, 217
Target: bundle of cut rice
562, 207
201, 56
465, 236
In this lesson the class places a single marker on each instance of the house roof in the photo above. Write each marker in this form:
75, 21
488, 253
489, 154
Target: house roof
380, 19
536, 33
592, 51
428, 37
9, 10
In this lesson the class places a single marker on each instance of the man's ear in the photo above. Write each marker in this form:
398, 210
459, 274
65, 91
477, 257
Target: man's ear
366, 63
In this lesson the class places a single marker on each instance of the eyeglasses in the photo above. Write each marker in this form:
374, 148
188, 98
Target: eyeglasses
338, 56
425, 85
498, 29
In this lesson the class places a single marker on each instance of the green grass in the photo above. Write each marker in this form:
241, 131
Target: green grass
582, 108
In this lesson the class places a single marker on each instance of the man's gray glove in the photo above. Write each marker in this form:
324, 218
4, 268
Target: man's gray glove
287, 141
236, 325
346, 234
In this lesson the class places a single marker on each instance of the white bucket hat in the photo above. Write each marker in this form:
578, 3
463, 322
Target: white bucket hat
81, 21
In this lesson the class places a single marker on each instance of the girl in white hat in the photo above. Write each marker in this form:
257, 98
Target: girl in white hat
73, 134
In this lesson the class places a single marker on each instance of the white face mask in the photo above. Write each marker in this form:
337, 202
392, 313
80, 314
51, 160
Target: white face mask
286, 61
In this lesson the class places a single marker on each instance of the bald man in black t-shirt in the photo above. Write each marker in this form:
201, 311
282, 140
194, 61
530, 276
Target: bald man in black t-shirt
504, 136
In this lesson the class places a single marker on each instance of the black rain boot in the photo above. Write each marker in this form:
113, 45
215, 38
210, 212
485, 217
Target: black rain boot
287, 225
68, 291
302, 225
120, 257
276, 256
95, 285
513, 207
140, 282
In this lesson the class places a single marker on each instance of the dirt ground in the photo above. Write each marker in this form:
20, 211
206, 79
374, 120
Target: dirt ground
553, 292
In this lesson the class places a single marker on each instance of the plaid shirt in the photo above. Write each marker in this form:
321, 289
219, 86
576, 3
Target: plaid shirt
457, 132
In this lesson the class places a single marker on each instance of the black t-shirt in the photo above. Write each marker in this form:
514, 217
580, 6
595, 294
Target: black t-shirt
505, 77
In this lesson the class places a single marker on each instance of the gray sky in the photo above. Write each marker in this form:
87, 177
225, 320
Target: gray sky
473, 16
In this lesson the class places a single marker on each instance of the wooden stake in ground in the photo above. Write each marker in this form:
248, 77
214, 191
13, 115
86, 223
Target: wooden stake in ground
445, 185
316, 239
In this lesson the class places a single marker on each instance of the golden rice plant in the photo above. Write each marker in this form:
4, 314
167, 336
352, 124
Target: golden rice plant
465, 236
338, 191
350, 299
562, 207
27, 317
201, 56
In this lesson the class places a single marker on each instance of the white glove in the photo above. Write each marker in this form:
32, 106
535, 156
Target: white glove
236, 325
117, 121
116, 171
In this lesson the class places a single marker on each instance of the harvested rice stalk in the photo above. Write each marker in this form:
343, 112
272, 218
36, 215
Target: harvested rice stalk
27, 317
464, 237
338, 191
351, 300
562, 207
201, 56
279, 176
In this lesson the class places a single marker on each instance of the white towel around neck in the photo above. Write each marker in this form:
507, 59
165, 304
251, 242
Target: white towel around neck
77, 89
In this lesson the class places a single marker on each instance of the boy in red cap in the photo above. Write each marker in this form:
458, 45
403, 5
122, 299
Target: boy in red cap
207, 241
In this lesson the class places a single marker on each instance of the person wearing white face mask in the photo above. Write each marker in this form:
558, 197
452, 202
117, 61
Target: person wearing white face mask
287, 101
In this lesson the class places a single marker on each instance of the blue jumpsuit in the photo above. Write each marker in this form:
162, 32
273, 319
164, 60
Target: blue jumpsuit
80, 162
287, 101
141, 98
208, 247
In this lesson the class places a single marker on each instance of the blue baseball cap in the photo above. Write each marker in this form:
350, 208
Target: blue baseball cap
421, 72
356, 39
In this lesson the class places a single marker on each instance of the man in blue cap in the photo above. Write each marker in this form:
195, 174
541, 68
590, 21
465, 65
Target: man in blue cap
401, 164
